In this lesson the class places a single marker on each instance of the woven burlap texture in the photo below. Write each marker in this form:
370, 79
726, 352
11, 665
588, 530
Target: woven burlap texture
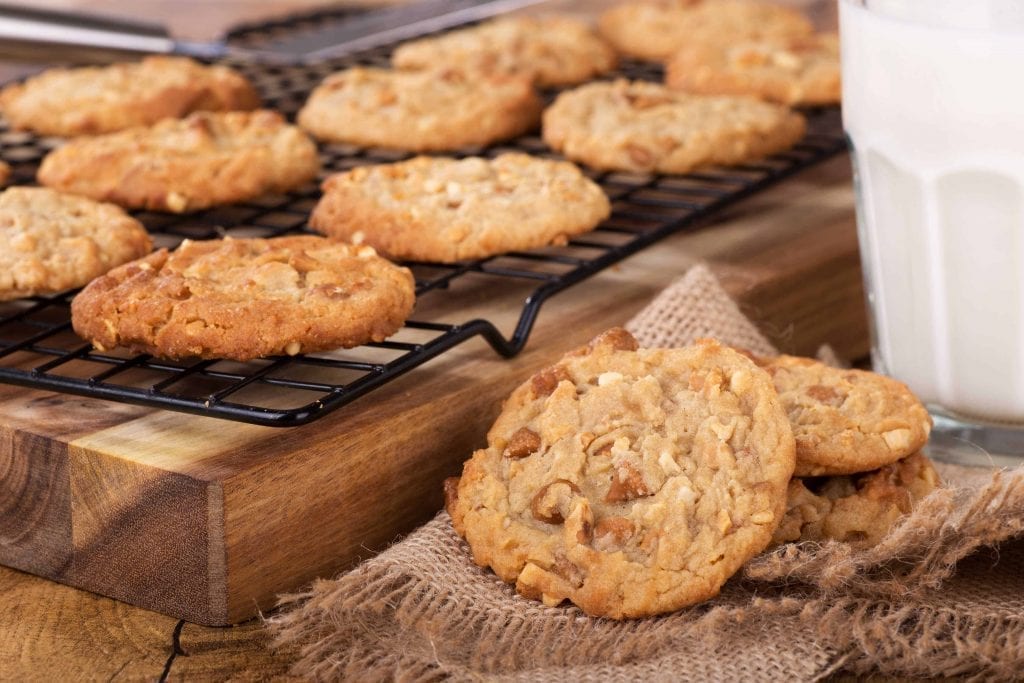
942, 595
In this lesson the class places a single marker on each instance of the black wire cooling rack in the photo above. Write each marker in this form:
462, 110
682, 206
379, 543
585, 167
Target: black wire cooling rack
38, 348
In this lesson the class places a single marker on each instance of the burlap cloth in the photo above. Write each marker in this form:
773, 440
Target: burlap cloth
942, 595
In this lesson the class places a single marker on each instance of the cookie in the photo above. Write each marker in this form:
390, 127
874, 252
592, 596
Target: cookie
50, 242
552, 50
437, 209
846, 421
645, 127
420, 110
796, 70
631, 482
92, 100
655, 29
246, 298
858, 509
188, 164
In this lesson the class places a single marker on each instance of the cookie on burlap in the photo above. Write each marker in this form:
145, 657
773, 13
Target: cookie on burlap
420, 110
246, 298
552, 50
631, 482
859, 508
846, 421
655, 29
50, 241
91, 100
186, 164
645, 127
797, 70
437, 209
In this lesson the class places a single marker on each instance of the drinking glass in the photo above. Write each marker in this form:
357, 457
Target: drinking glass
933, 106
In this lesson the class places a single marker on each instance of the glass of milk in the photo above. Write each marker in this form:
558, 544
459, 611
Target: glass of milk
933, 105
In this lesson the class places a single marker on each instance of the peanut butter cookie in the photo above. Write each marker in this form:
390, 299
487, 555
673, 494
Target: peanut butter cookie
631, 482
420, 110
655, 29
859, 508
552, 51
50, 242
796, 70
246, 298
846, 421
186, 164
645, 127
435, 209
92, 100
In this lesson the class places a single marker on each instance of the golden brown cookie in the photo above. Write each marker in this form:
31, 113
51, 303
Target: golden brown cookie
846, 421
420, 110
50, 241
552, 50
858, 508
631, 482
796, 70
186, 164
655, 29
246, 298
91, 100
645, 127
438, 209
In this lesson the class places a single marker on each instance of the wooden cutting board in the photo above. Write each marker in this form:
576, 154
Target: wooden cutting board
209, 520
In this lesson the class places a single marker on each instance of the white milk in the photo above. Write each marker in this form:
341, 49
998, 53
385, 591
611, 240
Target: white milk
936, 116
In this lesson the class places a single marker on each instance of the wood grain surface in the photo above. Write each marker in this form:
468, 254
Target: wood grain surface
787, 255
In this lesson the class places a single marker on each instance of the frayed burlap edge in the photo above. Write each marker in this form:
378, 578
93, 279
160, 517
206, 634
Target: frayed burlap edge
422, 611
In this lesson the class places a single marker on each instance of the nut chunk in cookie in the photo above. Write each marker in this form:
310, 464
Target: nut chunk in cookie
246, 298
552, 50
437, 209
629, 481
858, 509
654, 29
182, 165
420, 110
645, 127
51, 241
846, 421
93, 100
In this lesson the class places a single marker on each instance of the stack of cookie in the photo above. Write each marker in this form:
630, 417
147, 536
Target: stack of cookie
634, 482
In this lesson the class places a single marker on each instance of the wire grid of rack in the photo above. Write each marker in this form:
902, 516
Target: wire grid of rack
38, 348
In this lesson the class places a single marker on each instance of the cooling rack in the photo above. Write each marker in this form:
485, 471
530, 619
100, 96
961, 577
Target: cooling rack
38, 349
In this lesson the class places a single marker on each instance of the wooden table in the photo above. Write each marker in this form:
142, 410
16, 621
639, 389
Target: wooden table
788, 256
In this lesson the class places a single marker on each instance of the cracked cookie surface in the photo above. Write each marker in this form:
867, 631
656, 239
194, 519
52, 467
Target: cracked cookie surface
799, 70
438, 209
51, 241
92, 100
552, 50
655, 29
246, 298
180, 165
631, 482
859, 508
846, 421
645, 127
419, 110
